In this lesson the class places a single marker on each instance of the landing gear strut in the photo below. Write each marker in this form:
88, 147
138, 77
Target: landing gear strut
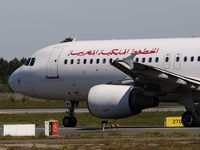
70, 120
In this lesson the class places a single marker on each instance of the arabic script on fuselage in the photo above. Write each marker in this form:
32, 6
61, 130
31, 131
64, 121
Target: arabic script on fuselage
113, 52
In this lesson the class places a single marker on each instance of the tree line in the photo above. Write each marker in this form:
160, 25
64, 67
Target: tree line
7, 68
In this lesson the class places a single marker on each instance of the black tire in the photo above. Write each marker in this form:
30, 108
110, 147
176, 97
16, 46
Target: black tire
188, 119
69, 121
73, 121
66, 121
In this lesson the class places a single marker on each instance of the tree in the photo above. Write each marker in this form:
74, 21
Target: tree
7, 68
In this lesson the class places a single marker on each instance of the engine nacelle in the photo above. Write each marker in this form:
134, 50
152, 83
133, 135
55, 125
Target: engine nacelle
117, 101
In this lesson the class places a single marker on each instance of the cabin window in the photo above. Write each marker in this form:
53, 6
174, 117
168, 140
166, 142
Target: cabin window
91, 61
84, 61
185, 59
143, 60
150, 59
198, 58
157, 59
192, 59
97, 61
27, 62
104, 61
177, 59
78, 61
166, 59
72, 61
137, 60
65, 61
32, 62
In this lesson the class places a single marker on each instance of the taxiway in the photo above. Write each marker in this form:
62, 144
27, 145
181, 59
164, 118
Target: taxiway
123, 130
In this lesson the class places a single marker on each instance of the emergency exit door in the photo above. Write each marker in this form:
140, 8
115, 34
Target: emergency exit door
167, 59
177, 61
52, 64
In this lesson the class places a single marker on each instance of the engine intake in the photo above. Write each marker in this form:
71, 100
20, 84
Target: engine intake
117, 101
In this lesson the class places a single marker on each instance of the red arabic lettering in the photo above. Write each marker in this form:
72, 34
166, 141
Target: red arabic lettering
114, 52
145, 51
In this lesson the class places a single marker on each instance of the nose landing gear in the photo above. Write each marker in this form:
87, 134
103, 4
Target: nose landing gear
70, 120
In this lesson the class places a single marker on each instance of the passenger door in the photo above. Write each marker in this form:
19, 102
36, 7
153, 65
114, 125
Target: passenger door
52, 64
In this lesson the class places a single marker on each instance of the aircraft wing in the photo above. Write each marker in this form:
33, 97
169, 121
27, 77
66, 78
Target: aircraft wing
137, 70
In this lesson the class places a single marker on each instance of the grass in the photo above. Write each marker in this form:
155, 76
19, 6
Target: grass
126, 136
106, 141
4, 87
111, 145
146, 141
86, 119
8, 101
103, 136
37, 119
25, 102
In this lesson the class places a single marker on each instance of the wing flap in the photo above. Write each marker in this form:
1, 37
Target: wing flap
134, 70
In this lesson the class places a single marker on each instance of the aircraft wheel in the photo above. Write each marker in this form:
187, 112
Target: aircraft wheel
73, 121
69, 121
188, 119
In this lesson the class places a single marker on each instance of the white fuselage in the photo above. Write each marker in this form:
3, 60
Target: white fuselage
68, 70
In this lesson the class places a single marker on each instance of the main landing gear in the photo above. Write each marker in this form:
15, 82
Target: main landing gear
191, 118
70, 120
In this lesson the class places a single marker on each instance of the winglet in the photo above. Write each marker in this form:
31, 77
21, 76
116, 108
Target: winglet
129, 60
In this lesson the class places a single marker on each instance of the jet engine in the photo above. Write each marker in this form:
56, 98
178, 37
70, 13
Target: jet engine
118, 101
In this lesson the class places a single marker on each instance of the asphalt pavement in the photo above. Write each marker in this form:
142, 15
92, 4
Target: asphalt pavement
124, 130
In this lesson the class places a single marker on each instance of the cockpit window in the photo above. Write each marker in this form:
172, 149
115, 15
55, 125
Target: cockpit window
32, 62
27, 62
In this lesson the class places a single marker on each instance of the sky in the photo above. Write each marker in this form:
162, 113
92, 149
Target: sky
28, 25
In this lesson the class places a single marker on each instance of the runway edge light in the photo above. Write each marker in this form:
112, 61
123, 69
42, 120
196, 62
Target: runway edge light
173, 122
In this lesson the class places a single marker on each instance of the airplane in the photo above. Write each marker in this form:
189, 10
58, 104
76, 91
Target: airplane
117, 78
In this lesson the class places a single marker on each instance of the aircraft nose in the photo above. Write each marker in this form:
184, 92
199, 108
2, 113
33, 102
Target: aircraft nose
14, 81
